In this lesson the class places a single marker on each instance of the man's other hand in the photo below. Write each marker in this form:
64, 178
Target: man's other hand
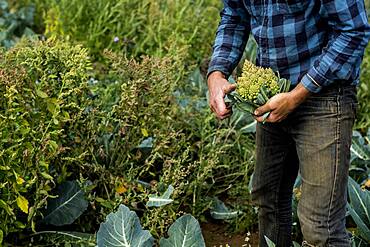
218, 87
282, 104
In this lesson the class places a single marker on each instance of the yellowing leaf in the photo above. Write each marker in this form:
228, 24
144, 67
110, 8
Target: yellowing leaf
367, 184
20, 180
144, 132
22, 204
41, 94
121, 189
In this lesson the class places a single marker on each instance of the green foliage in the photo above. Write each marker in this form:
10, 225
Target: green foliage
43, 85
132, 127
63, 238
67, 207
123, 228
159, 201
15, 23
269, 242
360, 157
134, 27
221, 212
359, 208
360, 149
363, 95
184, 232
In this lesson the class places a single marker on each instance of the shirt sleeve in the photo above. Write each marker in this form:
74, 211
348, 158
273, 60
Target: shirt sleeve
231, 37
348, 21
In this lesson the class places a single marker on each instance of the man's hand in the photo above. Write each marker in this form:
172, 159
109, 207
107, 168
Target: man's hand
218, 87
282, 104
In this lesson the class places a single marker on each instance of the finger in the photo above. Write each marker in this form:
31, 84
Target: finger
229, 88
262, 110
225, 116
219, 114
220, 107
228, 105
261, 119
275, 118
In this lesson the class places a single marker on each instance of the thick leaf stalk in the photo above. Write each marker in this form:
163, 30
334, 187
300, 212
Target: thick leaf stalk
255, 87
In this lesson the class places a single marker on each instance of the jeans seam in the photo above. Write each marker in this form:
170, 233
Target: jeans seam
277, 226
337, 135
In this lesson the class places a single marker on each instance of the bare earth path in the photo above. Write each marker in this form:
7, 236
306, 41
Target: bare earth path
216, 236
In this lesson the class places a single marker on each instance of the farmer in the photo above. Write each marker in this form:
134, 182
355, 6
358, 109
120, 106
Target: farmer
318, 45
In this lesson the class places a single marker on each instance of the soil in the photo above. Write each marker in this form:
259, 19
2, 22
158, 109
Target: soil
215, 235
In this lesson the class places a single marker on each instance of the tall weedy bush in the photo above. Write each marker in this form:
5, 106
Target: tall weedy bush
43, 87
363, 95
134, 27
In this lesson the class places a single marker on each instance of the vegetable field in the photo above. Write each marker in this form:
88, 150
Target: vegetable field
107, 139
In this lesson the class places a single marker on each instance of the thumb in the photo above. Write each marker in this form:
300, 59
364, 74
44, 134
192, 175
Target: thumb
229, 88
262, 110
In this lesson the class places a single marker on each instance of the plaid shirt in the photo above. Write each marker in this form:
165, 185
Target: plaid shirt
316, 42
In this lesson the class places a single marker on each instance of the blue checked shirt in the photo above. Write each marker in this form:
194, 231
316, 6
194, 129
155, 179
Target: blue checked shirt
316, 42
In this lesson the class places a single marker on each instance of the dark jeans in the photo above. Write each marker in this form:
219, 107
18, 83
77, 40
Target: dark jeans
315, 139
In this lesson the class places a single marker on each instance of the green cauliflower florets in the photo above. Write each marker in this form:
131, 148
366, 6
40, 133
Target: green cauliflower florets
253, 78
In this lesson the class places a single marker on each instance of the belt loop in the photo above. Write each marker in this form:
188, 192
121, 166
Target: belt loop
340, 87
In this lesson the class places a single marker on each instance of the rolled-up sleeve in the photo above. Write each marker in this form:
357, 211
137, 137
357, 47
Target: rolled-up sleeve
231, 37
344, 52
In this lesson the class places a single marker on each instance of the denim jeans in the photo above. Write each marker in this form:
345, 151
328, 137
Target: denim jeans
315, 141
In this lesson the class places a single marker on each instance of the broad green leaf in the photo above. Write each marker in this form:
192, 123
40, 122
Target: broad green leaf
359, 200
359, 149
22, 203
123, 229
67, 207
158, 201
4, 5
241, 104
147, 143
72, 238
185, 232
221, 212
146, 146
295, 244
198, 82
249, 128
269, 242
243, 122
357, 241
363, 229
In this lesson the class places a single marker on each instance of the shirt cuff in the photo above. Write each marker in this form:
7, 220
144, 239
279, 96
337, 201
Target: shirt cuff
313, 81
222, 65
